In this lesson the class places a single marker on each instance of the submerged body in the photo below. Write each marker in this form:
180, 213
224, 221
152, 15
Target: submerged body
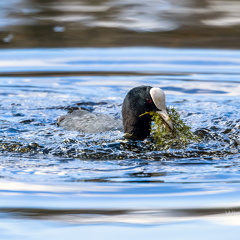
88, 122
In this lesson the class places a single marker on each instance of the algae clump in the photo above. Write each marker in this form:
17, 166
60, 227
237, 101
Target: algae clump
164, 136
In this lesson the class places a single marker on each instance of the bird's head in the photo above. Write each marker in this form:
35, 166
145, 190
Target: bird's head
138, 101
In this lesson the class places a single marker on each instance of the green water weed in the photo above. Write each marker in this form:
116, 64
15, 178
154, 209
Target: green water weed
165, 137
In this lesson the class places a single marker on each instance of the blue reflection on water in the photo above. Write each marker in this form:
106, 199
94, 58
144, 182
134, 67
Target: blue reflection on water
121, 59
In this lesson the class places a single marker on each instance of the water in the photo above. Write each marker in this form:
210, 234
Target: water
105, 23
57, 183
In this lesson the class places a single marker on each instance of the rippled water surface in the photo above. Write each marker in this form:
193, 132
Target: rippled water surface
57, 183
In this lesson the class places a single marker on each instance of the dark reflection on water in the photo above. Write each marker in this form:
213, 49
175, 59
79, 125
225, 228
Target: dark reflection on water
103, 216
171, 23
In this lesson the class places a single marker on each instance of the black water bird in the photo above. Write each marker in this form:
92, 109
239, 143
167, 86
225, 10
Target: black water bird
138, 101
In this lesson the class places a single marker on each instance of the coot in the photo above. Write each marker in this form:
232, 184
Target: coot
139, 100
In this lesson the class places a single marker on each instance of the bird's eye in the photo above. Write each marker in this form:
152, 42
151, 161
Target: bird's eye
149, 100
